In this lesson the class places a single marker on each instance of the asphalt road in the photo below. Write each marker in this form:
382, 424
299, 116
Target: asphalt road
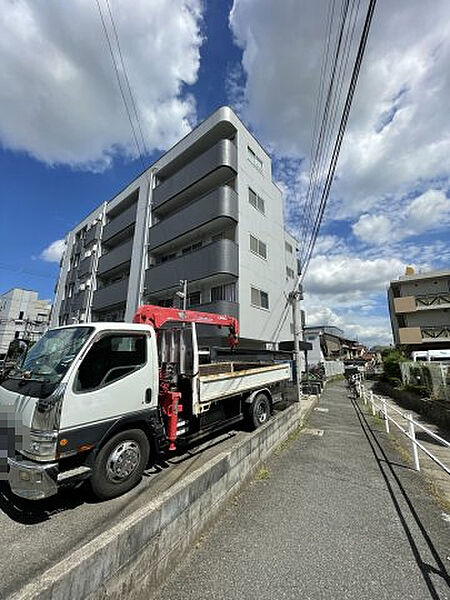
34, 536
340, 516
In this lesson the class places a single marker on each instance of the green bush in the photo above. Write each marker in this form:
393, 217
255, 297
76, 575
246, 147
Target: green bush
419, 390
391, 366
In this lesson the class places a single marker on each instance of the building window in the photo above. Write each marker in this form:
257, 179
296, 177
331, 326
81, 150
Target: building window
225, 292
290, 272
21, 315
70, 291
166, 302
194, 298
292, 328
258, 247
288, 247
254, 159
192, 247
256, 201
259, 298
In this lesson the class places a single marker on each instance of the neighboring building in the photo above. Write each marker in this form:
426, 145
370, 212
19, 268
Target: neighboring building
23, 316
206, 211
328, 343
419, 307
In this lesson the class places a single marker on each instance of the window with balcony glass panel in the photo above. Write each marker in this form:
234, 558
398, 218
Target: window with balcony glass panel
194, 298
225, 292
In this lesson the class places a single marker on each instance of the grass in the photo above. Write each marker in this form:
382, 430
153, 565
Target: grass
263, 473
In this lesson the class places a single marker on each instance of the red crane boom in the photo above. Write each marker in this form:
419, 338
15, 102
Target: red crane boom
157, 316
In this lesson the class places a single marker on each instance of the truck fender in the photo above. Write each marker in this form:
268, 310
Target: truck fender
249, 399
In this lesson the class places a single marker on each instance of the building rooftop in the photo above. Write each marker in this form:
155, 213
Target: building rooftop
426, 275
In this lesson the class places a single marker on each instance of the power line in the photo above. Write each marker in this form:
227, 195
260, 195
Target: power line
122, 93
342, 127
124, 69
337, 146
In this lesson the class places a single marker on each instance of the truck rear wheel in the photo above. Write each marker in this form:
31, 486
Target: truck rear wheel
120, 463
258, 411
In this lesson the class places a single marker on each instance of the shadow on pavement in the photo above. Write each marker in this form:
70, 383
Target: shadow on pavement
386, 467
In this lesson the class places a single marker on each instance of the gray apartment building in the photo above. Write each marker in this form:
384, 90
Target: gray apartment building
22, 315
207, 211
419, 307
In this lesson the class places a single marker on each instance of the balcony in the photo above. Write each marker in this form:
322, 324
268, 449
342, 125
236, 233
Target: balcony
115, 293
86, 265
221, 307
119, 223
406, 304
71, 275
93, 234
220, 160
216, 258
219, 207
79, 301
116, 257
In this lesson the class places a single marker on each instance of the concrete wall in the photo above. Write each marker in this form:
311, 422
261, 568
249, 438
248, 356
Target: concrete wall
133, 558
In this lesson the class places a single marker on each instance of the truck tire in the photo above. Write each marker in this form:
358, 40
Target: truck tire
120, 463
258, 411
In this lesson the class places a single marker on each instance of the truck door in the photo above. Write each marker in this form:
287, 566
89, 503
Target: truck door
117, 376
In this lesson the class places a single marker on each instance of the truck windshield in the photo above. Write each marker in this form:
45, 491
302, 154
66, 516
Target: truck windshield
49, 359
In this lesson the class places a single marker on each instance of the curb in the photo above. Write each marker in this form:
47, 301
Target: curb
133, 558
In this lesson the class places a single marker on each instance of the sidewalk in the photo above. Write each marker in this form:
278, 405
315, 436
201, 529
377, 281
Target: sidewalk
335, 515
437, 477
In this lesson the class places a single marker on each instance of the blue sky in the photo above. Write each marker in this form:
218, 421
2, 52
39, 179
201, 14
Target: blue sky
66, 144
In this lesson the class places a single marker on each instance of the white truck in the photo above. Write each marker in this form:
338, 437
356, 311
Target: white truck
101, 400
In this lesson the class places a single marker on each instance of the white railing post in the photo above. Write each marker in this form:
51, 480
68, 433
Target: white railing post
412, 433
371, 402
385, 412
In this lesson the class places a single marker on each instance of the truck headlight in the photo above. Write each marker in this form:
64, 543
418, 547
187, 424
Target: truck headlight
42, 445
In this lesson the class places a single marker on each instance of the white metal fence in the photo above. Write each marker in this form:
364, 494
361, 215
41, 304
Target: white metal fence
386, 410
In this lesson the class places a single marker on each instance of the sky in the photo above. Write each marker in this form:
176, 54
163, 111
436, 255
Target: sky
66, 143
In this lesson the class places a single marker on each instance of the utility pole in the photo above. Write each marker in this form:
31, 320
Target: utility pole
182, 293
294, 299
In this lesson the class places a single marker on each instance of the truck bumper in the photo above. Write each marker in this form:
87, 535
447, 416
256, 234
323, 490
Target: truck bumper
31, 480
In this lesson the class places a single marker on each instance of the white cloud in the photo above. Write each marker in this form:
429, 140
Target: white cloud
59, 99
343, 276
375, 229
398, 136
368, 330
429, 211
53, 252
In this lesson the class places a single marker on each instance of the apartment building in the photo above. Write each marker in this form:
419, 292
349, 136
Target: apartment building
419, 307
207, 212
22, 316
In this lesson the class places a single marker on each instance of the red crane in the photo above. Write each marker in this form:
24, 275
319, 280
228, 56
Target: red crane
157, 316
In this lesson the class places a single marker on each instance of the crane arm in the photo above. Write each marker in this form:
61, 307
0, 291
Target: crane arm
157, 316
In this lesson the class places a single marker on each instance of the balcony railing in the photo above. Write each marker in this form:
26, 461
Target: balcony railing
117, 224
433, 300
115, 257
436, 333
215, 258
221, 203
110, 295
222, 155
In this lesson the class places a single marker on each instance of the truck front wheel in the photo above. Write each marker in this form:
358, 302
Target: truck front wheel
258, 411
120, 463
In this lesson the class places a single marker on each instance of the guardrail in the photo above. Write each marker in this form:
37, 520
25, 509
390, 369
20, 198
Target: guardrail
379, 403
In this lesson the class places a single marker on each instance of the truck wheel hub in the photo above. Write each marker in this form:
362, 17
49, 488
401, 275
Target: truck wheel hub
261, 412
123, 460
